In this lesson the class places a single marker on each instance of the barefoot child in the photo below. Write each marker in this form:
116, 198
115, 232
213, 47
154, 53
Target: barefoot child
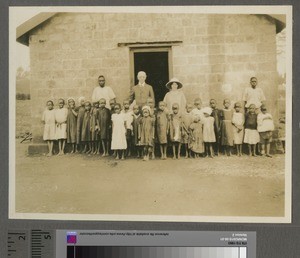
151, 104
226, 127
136, 117
217, 125
95, 128
265, 127
238, 128
49, 128
71, 124
208, 132
118, 141
80, 111
128, 120
196, 132
146, 132
162, 128
86, 135
251, 133
104, 119
187, 120
175, 130
61, 126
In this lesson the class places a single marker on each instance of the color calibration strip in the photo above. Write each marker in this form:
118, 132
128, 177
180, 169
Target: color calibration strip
155, 252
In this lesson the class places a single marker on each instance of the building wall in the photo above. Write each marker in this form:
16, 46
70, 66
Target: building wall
218, 55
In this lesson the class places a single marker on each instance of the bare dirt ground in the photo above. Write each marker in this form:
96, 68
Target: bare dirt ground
82, 184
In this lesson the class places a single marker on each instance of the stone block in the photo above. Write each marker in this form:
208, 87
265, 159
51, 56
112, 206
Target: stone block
265, 48
80, 73
91, 63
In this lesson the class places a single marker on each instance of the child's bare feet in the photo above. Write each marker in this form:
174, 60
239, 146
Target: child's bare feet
268, 155
49, 154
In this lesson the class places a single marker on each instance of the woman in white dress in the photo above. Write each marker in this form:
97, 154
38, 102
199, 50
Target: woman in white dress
175, 95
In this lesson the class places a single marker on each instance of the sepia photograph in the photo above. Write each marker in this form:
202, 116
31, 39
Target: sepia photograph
151, 113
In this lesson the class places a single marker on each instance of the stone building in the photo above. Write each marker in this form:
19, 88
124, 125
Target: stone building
214, 55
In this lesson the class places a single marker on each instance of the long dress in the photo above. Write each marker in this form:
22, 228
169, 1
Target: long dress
49, 128
147, 131
104, 119
86, 127
197, 144
187, 120
217, 124
71, 126
94, 124
238, 129
61, 123
175, 96
175, 128
162, 127
208, 129
135, 129
226, 127
80, 116
118, 141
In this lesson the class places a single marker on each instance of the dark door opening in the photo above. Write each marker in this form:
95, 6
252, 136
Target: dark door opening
156, 66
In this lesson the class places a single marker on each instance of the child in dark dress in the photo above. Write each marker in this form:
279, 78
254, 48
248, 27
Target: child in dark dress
162, 128
86, 128
71, 124
187, 120
94, 128
227, 127
251, 134
80, 111
104, 119
128, 119
175, 130
136, 117
216, 114
146, 132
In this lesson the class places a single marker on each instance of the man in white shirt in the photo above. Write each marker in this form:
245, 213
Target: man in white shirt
103, 92
253, 95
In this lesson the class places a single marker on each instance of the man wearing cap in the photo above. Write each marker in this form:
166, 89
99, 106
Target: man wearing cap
142, 91
175, 95
253, 95
103, 91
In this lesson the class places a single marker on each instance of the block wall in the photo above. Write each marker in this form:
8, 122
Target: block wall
218, 55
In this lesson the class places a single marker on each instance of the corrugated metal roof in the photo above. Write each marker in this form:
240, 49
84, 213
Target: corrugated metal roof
24, 29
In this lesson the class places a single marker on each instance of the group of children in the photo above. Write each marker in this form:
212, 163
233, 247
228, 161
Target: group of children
124, 130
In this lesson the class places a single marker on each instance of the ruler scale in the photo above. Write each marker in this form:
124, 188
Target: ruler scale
18, 244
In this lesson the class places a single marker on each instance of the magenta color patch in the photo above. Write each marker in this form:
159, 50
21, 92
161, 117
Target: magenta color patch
71, 239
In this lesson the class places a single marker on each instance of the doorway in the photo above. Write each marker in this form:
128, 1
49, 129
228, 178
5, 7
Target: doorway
156, 63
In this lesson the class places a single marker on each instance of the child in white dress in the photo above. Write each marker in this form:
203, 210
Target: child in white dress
238, 121
208, 131
61, 115
49, 128
118, 141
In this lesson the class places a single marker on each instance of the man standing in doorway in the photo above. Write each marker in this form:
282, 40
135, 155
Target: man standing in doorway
142, 91
103, 92
253, 95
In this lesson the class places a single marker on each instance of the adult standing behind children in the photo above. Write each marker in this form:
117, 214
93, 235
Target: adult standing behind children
142, 91
175, 96
253, 95
103, 91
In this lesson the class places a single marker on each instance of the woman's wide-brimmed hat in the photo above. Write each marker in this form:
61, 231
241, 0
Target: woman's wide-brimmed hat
168, 85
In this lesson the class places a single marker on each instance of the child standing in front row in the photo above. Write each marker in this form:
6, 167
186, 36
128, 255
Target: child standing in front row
196, 132
187, 120
208, 132
61, 125
175, 130
238, 128
136, 117
217, 125
104, 119
95, 128
71, 124
265, 127
162, 128
128, 121
86, 128
226, 127
146, 132
251, 133
49, 128
80, 111
118, 140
